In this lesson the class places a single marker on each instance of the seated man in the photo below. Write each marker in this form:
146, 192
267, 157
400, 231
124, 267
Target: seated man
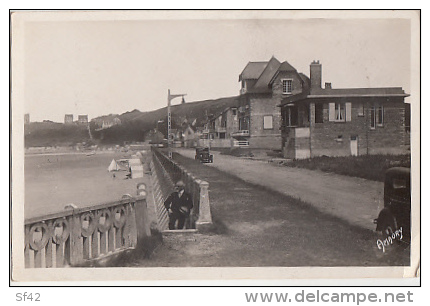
178, 205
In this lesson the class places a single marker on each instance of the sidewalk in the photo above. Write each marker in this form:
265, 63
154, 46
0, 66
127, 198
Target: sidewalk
355, 200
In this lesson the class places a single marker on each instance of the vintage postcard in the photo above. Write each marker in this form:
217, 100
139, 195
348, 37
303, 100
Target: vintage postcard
215, 145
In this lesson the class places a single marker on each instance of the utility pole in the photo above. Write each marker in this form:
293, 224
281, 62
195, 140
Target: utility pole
169, 120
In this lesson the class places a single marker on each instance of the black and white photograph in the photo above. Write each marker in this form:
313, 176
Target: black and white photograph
215, 145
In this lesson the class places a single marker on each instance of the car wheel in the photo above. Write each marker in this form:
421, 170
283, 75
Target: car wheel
388, 224
388, 229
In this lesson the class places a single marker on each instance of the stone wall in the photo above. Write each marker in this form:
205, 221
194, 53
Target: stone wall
261, 138
334, 138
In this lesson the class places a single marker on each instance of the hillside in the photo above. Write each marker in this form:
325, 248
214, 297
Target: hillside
191, 111
134, 124
48, 134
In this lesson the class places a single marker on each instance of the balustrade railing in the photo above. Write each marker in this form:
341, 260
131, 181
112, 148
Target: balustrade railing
240, 133
240, 143
77, 235
169, 172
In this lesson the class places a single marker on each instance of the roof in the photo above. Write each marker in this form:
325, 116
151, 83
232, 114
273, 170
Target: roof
190, 127
252, 71
285, 66
294, 98
345, 93
357, 92
306, 80
263, 81
215, 116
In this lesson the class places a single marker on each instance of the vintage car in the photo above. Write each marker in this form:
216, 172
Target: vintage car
396, 214
204, 155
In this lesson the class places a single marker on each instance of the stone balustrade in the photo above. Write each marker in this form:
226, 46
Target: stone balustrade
168, 172
77, 235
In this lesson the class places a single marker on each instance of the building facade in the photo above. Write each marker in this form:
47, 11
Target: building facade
220, 128
68, 119
282, 109
83, 119
189, 136
320, 121
259, 117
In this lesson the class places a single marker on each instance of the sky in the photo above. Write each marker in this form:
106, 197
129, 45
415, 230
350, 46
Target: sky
101, 67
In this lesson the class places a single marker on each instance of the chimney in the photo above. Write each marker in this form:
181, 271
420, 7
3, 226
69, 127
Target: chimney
327, 85
316, 72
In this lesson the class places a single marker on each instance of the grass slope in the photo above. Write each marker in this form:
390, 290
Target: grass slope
47, 134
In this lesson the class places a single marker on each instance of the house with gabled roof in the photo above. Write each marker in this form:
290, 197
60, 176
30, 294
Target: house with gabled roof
259, 116
220, 127
189, 136
283, 109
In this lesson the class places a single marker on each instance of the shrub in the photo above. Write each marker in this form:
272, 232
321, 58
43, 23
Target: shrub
371, 167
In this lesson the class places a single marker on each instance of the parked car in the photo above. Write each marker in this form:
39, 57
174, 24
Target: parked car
396, 213
204, 155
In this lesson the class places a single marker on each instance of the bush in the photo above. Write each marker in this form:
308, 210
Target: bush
371, 167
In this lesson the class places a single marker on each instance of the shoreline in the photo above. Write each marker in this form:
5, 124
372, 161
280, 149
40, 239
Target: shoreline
71, 153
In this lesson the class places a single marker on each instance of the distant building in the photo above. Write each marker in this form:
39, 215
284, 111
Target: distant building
83, 119
155, 137
26, 118
111, 122
189, 136
107, 122
68, 118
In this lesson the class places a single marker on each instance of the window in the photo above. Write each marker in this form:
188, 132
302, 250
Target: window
376, 116
287, 86
407, 117
319, 113
234, 111
221, 135
339, 112
380, 116
244, 123
268, 122
361, 110
372, 117
399, 184
291, 116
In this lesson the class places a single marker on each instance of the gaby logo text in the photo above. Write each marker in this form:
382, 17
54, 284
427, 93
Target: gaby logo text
396, 235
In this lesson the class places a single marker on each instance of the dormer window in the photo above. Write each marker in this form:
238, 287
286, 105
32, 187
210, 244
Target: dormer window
287, 86
243, 88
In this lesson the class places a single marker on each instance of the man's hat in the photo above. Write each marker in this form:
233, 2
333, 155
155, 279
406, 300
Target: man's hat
179, 184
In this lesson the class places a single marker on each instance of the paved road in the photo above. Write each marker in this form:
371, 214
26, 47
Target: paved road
258, 227
355, 200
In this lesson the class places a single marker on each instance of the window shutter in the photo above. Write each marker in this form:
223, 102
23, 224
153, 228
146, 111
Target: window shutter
331, 112
268, 122
348, 111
